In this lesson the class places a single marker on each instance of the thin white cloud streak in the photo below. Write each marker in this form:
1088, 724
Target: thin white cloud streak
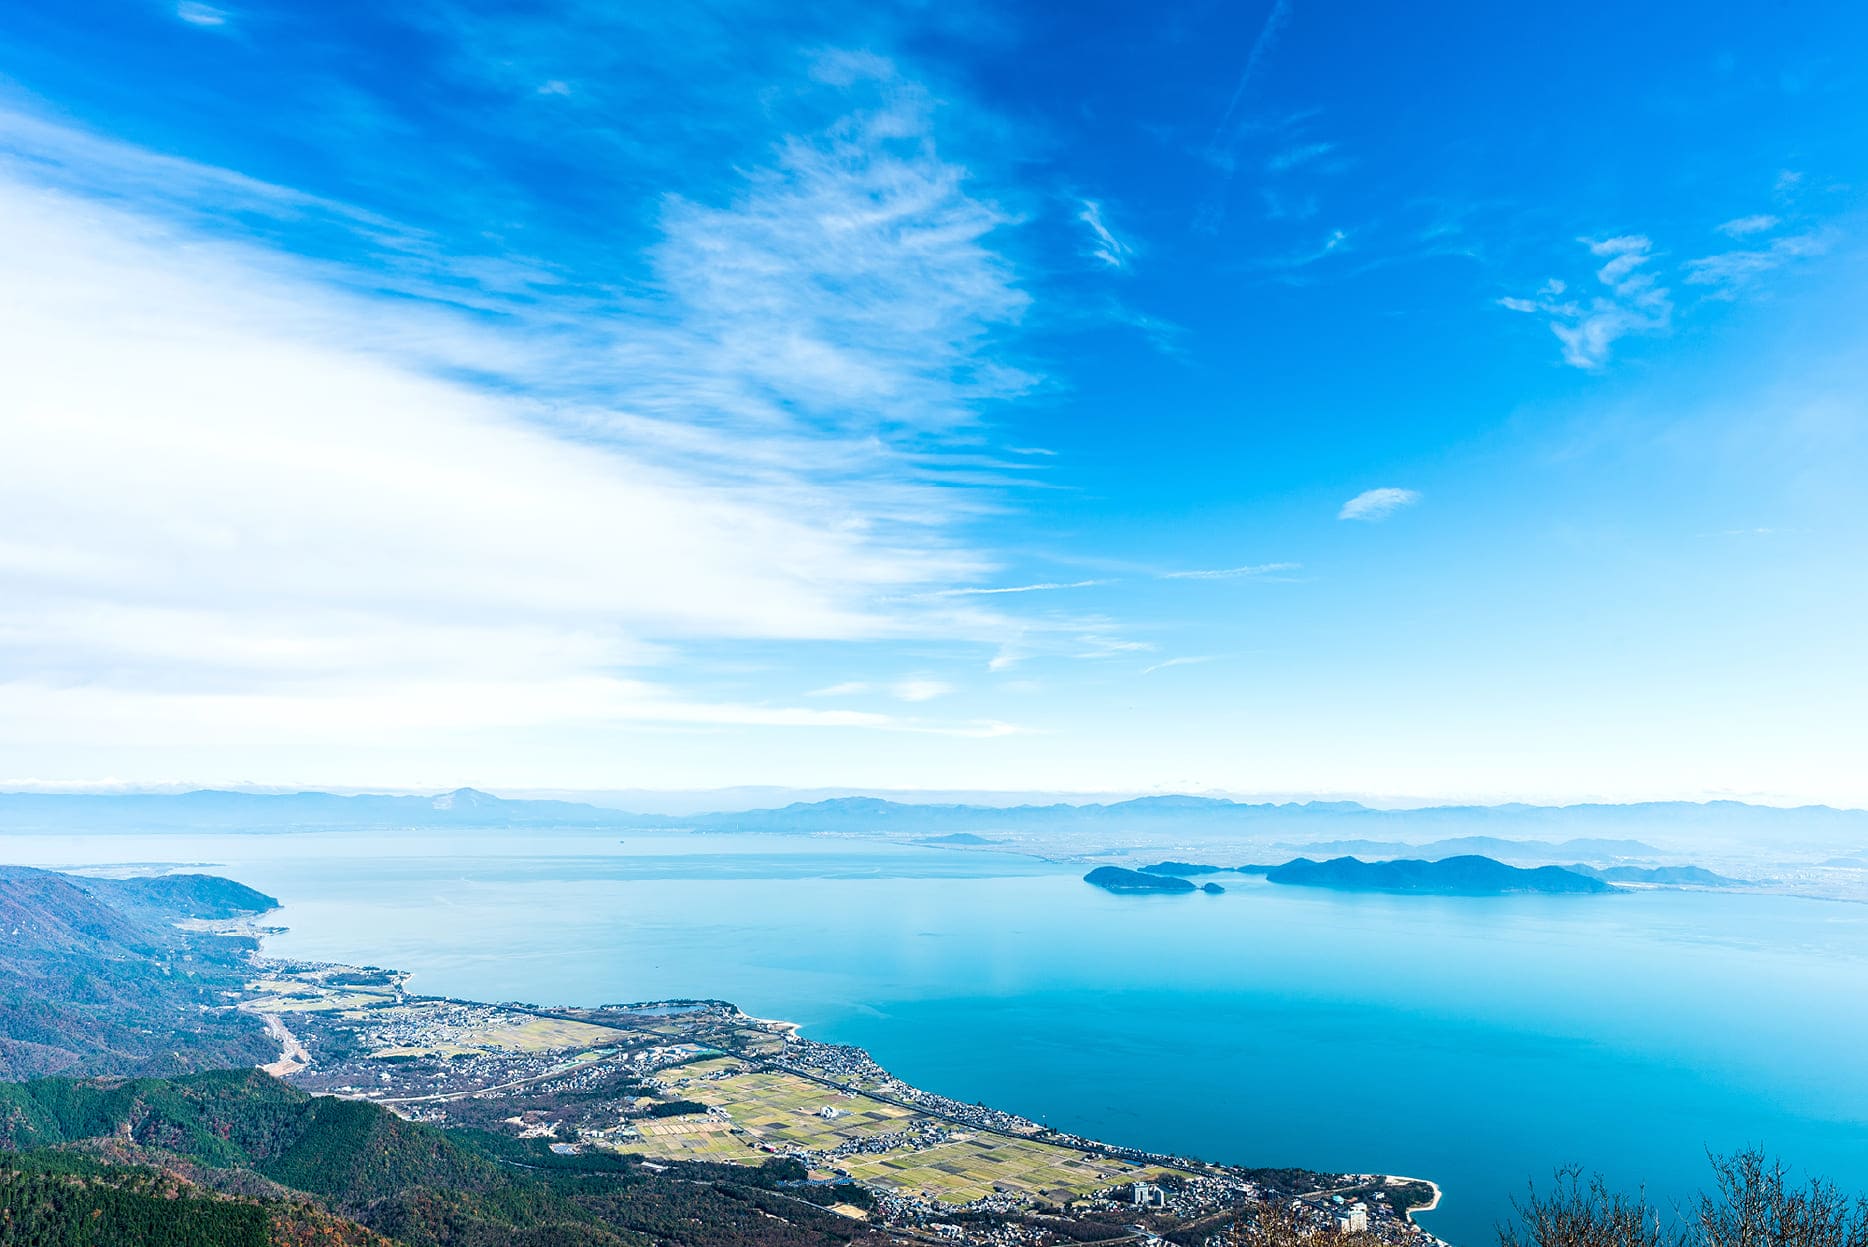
1740, 227
1261, 47
385, 713
1377, 504
909, 689
1333, 243
1078, 639
1188, 661
1295, 157
197, 14
1104, 245
1230, 573
1045, 587
1730, 273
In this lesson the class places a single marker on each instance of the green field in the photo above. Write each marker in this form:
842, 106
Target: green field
785, 1111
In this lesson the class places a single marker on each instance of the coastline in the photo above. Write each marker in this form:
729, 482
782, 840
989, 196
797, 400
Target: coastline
1395, 1179
434, 1035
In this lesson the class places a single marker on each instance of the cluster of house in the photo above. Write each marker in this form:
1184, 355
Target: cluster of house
1353, 1218
1147, 1195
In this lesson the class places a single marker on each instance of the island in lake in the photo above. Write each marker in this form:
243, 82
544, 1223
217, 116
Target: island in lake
1450, 876
1118, 879
1468, 875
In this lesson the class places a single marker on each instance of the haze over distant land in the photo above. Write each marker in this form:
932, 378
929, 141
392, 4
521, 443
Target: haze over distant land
476, 803
1602, 833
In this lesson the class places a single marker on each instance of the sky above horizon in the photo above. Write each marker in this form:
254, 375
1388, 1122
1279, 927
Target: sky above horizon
1461, 401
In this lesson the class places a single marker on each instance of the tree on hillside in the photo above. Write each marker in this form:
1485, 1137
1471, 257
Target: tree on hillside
1757, 1205
1754, 1203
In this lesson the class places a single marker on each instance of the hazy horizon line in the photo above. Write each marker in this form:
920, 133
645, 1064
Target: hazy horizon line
644, 797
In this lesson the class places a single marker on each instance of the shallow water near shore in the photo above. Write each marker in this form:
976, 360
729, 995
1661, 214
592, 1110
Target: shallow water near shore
1477, 1042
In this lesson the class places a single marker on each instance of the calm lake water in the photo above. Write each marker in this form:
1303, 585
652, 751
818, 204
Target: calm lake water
1478, 1042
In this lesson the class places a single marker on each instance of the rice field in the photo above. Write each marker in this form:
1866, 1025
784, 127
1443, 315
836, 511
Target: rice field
783, 1111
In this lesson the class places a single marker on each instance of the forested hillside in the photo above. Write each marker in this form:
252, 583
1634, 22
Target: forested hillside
243, 1133
97, 977
68, 1199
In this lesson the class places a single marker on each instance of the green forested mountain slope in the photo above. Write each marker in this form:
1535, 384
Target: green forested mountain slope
97, 977
68, 1199
242, 1131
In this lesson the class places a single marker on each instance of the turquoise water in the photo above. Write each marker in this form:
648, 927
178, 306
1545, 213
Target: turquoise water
1478, 1042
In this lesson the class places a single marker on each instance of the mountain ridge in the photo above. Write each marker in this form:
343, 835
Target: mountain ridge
1439, 826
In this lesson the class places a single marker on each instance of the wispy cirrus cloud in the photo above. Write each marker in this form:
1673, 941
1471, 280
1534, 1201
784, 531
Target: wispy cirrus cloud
1731, 273
1295, 157
1377, 504
197, 14
1232, 573
1633, 298
1104, 245
1744, 226
1189, 660
312, 491
1332, 243
1262, 43
852, 277
916, 688
1040, 587
1632, 301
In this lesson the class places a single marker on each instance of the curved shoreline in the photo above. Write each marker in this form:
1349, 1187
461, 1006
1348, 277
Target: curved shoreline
1395, 1179
978, 1117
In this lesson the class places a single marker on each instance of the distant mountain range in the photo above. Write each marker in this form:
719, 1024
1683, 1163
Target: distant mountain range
1490, 846
1581, 832
1660, 876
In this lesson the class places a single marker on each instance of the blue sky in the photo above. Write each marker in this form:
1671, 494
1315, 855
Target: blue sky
1461, 401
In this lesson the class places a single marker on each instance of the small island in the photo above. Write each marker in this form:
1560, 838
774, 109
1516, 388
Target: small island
1466, 875
1116, 879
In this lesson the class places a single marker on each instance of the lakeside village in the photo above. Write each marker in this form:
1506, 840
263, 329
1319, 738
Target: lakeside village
699, 1081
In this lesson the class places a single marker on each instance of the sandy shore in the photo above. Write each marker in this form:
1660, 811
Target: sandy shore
790, 1028
1395, 1179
